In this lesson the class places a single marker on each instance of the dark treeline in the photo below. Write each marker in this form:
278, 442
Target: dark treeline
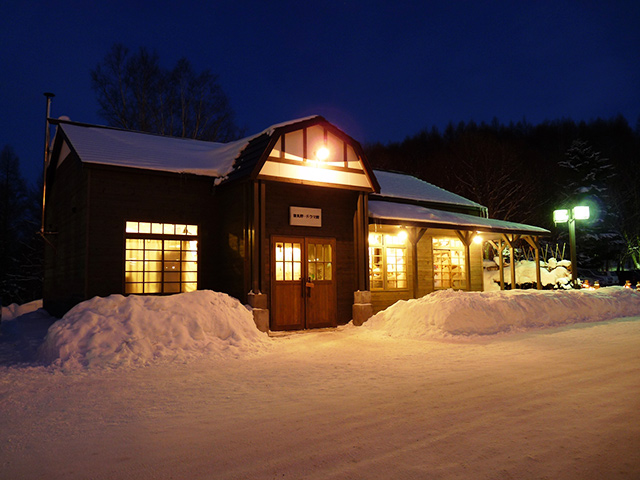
522, 172
20, 244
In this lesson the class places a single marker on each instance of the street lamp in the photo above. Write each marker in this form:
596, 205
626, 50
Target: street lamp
570, 216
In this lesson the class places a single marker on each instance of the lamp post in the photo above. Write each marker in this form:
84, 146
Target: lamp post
570, 216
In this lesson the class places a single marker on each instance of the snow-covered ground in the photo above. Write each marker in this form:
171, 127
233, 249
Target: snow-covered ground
479, 385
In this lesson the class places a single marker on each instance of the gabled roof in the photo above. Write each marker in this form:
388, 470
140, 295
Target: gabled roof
404, 188
225, 161
408, 200
126, 148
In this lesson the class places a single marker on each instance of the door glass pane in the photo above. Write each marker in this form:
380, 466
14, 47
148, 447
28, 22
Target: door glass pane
279, 271
297, 275
319, 262
297, 262
279, 252
320, 271
288, 271
288, 252
327, 253
312, 271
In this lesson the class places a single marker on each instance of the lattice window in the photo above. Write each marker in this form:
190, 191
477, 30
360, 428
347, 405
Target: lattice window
448, 264
161, 258
387, 261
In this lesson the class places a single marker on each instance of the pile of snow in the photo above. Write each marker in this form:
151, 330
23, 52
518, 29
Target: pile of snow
554, 273
451, 312
138, 330
14, 310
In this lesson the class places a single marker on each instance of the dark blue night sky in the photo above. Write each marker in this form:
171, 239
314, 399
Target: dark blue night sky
379, 70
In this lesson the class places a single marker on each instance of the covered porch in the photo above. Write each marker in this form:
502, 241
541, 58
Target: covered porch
415, 250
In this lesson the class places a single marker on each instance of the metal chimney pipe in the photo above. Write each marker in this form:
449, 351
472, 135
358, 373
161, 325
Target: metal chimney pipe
47, 141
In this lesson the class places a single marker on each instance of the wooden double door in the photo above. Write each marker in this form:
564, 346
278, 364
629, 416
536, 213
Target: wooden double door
303, 282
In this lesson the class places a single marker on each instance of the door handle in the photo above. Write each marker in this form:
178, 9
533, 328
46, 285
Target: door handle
309, 285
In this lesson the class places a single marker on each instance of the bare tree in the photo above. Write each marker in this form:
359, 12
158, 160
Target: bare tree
490, 173
136, 93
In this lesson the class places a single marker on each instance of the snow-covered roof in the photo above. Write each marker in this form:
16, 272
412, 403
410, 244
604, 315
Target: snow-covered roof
402, 212
125, 148
407, 187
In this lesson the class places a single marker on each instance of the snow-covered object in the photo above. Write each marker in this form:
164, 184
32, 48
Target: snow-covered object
14, 310
526, 273
400, 185
399, 212
124, 148
139, 330
450, 312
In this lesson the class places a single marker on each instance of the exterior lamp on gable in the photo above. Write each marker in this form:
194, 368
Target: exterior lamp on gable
322, 153
570, 216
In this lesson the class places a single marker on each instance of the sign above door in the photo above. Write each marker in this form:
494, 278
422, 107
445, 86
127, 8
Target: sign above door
305, 217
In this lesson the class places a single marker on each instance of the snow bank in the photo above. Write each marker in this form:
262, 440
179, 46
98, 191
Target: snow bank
14, 310
450, 312
138, 330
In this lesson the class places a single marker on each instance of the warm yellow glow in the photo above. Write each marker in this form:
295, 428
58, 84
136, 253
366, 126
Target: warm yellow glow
477, 239
402, 236
322, 153
154, 264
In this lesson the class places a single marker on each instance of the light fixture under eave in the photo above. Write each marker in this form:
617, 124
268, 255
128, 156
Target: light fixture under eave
322, 153
477, 239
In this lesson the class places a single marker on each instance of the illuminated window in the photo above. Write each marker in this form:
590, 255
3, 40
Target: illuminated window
319, 263
448, 263
388, 261
288, 261
161, 257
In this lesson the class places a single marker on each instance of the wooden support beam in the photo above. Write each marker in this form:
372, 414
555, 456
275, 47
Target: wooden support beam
466, 238
415, 234
510, 242
501, 264
533, 241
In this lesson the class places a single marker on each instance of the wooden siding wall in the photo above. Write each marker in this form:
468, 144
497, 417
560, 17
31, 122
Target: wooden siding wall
66, 247
383, 299
338, 210
232, 266
117, 195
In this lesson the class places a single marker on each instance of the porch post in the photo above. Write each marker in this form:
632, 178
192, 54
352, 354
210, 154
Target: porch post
466, 240
415, 235
510, 242
533, 241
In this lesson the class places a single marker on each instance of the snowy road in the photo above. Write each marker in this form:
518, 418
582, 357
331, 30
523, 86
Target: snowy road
560, 403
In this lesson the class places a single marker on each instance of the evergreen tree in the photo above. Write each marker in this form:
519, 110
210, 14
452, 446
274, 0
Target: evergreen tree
13, 205
587, 178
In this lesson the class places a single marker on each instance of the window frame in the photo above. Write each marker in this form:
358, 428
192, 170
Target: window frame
177, 246
384, 246
457, 280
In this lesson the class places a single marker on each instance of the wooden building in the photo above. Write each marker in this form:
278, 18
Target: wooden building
423, 238
292, 221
